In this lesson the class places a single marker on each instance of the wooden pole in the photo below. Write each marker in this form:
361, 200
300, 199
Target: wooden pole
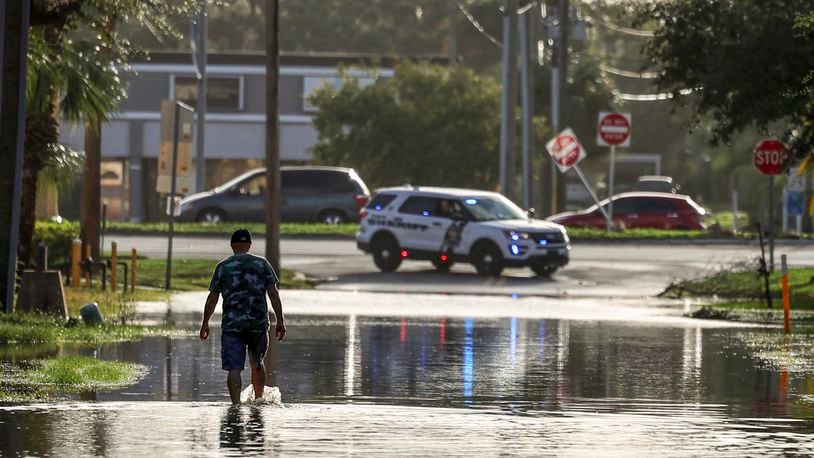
114, 265
133, 263
76, 257
786, 295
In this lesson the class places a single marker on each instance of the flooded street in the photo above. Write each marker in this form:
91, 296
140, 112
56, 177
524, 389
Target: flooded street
453, 385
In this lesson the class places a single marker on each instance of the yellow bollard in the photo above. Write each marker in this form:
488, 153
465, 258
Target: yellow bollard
784, 281
133, 257
87, 274
114, 265
76, 257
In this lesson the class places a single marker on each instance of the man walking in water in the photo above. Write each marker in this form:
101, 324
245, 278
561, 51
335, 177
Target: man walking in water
244, 280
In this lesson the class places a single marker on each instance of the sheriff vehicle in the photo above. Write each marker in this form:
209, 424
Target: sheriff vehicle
449, 225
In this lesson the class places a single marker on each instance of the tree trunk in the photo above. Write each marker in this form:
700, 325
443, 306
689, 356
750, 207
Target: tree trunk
41, 131
90, 205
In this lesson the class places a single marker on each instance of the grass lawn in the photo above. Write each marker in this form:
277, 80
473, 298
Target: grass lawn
723, 220
195, 274
64, 374
226, 229
741, 294
19, 328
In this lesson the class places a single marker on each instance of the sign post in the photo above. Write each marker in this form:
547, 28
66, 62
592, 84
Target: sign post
566, 151
175, 154
613, 129
771, 157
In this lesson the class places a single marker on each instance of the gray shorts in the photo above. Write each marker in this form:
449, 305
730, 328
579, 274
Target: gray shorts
233, 346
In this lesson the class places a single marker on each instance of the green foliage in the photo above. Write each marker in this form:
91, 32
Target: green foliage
748, 62
226, 229
20, 328
427, 125
58, 237
195, 274
65, 374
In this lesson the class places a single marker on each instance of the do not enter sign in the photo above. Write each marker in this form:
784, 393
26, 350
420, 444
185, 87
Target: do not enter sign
566, 150
613, 129
771, 157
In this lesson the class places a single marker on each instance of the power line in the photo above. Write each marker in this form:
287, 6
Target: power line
649, 97
606, 22
477, 25
627, 73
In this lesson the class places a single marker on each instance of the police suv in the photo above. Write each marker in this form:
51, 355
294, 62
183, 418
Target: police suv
448, 225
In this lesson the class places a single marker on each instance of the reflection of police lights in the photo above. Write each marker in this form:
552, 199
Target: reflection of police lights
404, 253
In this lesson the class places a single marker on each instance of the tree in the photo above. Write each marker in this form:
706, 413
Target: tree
428, 125
747, 63
74, 60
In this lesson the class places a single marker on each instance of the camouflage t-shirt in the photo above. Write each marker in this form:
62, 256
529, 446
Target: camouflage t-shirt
243, 280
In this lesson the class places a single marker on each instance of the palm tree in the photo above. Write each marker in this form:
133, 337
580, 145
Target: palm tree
69, 79
76, 78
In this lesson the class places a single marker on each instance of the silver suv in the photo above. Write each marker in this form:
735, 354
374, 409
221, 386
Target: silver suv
448, 225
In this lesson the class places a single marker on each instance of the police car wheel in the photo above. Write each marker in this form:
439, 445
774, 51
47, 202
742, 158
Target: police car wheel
386, 254
543, 270
487, 259
442, 266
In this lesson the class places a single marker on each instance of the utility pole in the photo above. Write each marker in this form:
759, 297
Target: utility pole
559, 72
527, 102
200, 104
508, 100
14, 16
272, 134
562, 116
453, 32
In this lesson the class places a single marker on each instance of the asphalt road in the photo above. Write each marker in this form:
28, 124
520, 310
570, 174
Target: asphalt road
612, 270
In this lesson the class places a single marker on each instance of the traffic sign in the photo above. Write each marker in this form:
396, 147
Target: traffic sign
771, 157
565, 150
613, 129
184, 170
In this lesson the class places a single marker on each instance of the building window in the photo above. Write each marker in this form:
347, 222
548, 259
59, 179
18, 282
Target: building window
311, 84
222, 93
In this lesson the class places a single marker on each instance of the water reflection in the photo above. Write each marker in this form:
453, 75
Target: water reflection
242, 430
681, 379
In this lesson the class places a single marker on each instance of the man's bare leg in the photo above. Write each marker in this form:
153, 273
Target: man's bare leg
258, 380
233, 382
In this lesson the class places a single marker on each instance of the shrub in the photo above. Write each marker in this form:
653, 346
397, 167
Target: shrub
58, 237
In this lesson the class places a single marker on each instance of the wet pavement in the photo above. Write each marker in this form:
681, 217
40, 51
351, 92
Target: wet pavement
418, 375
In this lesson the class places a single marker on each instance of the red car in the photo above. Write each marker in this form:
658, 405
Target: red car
656, 210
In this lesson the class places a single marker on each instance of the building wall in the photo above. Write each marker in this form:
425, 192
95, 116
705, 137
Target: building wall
131, 137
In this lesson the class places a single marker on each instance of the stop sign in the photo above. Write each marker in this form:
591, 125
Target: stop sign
771, 156
613, 129
565, 150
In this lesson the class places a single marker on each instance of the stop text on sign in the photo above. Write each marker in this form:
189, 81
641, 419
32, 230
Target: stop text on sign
566, 150
771, 157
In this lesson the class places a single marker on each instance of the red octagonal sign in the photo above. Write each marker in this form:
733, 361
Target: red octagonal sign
613, 129
771, 157
566, 150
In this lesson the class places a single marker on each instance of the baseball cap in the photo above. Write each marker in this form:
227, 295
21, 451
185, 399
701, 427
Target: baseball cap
242, 236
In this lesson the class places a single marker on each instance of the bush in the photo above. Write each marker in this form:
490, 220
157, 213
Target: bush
58, 237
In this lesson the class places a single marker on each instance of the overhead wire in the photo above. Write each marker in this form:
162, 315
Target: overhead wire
627, 73
605, 21
477, 25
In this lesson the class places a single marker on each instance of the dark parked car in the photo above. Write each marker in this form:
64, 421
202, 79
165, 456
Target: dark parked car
658, 210
308, 194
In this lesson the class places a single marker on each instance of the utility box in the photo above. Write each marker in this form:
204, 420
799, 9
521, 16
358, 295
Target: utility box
42, 292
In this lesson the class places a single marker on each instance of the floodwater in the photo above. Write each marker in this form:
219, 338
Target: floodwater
364, 385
